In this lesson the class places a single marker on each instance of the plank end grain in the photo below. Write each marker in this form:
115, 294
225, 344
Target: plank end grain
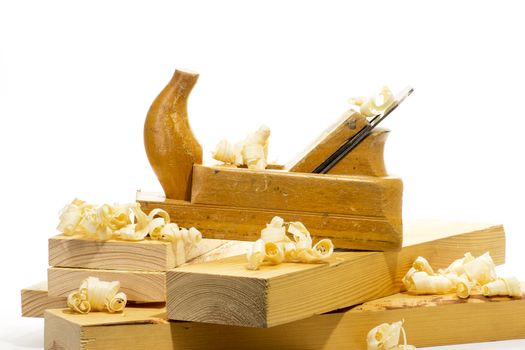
246, 302
35, 300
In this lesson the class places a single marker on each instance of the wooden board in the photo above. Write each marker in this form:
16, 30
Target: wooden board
366, 159
35, 300
225, 292
135, 328
245, 224
146, 255
365, 196
141, 286
429, 321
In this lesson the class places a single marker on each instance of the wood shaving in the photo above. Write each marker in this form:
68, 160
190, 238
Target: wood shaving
122, 221
252, 152
461, 277
504, 286
370, 107
275, 247
386, 337
96, 295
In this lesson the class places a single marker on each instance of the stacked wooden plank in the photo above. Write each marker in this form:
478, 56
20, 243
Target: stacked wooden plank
139, 266
429, 321
288, 306
35, 300
225, 292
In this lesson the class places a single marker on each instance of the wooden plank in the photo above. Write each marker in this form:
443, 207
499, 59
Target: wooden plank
35, 300
366, 159
131, 329
225, 292
232, 248
140, 286
245, 224
429, 321
146, 255
365, 196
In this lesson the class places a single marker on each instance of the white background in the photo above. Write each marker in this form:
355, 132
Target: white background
77, 78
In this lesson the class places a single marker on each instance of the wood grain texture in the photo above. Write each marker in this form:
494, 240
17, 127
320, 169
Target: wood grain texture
146, 255
35, 300
170, 144
364, 196
135, 328
225, 292
245, 224
429, 321
140, 286
38, 301
232, 248
365, 159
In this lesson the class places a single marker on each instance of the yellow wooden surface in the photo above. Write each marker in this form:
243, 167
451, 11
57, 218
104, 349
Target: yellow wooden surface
429, 321
142, 286
34, 300
170, 144
225, 292
146, 255
364, 196
222, 222
135, 328
365, 159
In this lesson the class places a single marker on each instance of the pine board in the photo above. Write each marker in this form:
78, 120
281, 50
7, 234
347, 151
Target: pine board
35, 300
146, 255
140, 286
429, 321
225, 292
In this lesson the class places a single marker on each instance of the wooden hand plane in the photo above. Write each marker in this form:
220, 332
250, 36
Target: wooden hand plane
356, 204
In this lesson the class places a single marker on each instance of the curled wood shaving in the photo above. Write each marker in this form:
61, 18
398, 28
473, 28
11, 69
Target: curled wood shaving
423, 283
252, 152
510, 286
275, 246
421, 264
458, 266
256, 254
275, 231
386, 337
125, 222
462, 276
482, 269
274, 253
374, 105
96, 295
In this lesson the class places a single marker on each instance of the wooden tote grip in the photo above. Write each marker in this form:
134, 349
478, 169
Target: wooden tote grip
171, 147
